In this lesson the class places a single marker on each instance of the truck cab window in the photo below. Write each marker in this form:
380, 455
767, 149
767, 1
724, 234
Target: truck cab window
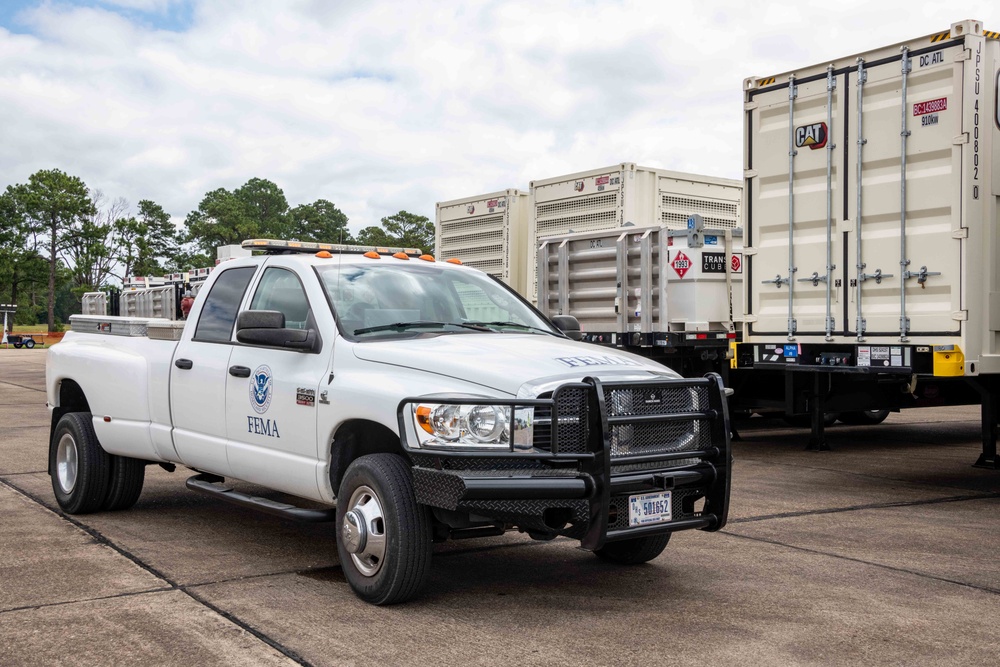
215, 324
280, 290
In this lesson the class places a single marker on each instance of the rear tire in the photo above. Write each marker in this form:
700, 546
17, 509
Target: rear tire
29, 343
383, 535
864, 417
79, 467
126, 478
634, 551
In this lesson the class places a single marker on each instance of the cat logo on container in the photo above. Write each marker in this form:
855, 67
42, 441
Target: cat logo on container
813, 136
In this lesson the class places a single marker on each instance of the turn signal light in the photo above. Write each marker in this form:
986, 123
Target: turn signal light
424, 418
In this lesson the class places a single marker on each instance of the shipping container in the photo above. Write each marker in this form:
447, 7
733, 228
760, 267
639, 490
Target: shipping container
486, 232
871, 219
626, 194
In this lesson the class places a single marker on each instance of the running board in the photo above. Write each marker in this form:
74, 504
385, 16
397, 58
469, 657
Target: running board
211, 485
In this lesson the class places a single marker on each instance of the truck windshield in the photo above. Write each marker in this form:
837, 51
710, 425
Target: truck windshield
395, 299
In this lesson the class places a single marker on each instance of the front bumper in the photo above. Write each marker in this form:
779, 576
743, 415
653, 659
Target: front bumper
578, 483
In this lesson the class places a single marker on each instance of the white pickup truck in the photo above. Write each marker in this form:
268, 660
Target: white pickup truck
414, 400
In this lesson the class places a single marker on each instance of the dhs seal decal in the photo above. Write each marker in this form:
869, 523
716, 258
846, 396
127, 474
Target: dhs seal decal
260, 389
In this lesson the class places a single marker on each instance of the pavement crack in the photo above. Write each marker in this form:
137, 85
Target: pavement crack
21, 386
173, 585
891, 568
870, 506
32, 607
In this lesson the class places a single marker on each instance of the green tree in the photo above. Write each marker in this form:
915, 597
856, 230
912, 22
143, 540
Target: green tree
258, 209
402, 229
320, 221
146, 243
53, 203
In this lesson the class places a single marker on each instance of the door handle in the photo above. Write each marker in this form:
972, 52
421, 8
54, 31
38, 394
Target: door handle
183, 364
239, 371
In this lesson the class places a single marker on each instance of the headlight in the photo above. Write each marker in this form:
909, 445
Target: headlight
494, 427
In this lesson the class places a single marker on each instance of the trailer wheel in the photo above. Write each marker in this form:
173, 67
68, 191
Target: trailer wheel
17, 345
30, 343
864, 417
383, 535
635, 551
126, 478
79, 467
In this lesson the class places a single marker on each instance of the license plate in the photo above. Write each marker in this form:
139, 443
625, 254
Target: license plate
648, 508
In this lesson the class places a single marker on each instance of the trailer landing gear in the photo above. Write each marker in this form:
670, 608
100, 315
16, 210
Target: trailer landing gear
990, 404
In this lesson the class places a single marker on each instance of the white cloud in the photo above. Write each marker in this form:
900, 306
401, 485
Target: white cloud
387, 106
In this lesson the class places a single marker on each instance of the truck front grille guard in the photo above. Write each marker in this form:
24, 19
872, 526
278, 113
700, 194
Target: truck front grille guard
580, 414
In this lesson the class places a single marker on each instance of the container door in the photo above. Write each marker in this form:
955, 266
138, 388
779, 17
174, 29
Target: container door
800, 231
904, 250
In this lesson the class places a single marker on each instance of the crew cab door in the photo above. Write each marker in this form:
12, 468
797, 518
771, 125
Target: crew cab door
272, 392
199, 372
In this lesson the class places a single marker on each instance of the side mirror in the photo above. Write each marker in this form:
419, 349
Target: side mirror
267, 328
568, 325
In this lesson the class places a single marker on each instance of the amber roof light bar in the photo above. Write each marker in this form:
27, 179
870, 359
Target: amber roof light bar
280, 247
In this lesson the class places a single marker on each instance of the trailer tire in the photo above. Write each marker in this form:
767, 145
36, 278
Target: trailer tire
864, 417
125, 485
17, 346
79, 467
634, 551
383, 535
30, 343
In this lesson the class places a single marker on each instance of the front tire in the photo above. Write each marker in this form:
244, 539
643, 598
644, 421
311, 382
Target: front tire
79, 467
634, 551
383, 535
30, 343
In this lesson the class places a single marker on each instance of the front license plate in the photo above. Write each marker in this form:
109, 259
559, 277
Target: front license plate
648, 508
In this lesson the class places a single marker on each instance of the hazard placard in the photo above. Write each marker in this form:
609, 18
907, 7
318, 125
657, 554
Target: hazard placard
681, 264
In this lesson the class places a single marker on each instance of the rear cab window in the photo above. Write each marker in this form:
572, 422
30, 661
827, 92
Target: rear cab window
218, 315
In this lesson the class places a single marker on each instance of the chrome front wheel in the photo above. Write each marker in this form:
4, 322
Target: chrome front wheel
363, 531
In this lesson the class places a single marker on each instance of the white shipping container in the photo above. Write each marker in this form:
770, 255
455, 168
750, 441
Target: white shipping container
870, 204
611, 197
486, 232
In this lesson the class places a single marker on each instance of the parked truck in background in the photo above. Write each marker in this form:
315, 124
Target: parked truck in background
356, 378
872, 232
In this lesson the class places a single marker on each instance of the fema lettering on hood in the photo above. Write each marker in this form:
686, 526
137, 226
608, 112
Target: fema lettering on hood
605, 360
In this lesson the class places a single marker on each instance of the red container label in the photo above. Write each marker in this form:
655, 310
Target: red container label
933, 106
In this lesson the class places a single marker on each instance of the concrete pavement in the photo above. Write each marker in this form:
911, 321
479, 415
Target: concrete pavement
880, 552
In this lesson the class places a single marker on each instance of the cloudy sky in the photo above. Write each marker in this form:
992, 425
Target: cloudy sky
382, 106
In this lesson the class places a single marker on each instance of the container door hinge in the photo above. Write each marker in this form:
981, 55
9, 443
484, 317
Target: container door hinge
964, 54
749, 251
961, 139
960, 315
960, 233
749, 173
750, 106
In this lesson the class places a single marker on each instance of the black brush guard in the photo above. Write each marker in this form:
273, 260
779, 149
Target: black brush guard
578, 481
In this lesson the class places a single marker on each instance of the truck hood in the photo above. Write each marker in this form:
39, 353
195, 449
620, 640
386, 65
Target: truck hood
517, 364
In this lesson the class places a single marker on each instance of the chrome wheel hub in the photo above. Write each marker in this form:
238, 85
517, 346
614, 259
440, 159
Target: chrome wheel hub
363, 531
66, 463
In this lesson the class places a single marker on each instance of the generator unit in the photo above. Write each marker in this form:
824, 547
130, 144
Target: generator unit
622, 195
871, 219
487, 232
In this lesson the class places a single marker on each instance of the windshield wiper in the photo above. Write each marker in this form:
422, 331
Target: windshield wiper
512, 324
403, 326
